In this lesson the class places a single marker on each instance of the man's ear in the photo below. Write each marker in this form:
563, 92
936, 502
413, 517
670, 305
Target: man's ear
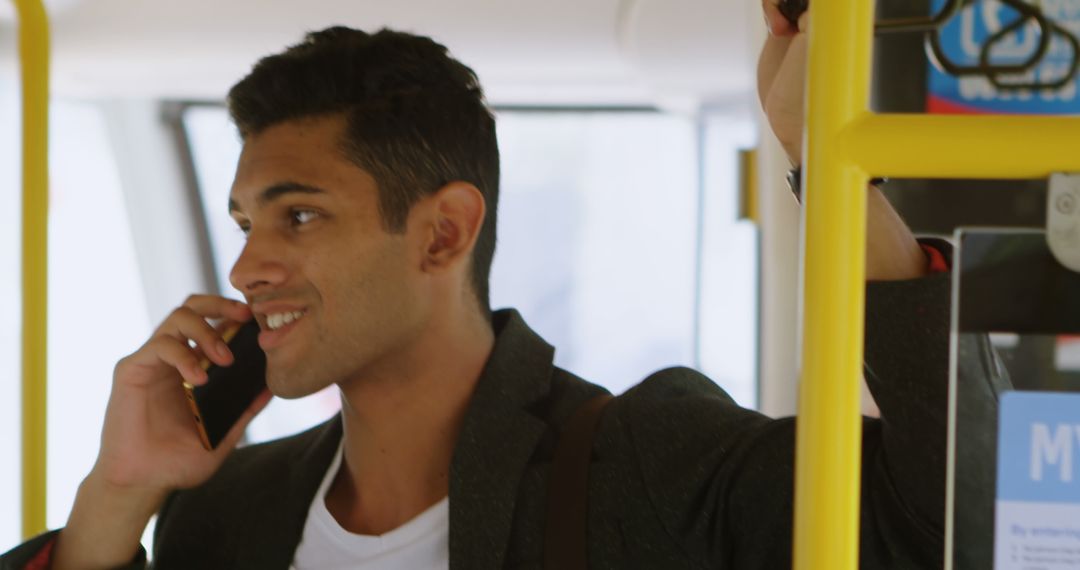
455, 215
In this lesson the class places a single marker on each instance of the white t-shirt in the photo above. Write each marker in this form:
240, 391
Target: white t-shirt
420, 544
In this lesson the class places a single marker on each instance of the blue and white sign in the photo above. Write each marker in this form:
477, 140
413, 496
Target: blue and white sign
1038, 482
962, 40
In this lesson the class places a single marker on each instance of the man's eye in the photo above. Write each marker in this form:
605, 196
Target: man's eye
301, 217
244, 228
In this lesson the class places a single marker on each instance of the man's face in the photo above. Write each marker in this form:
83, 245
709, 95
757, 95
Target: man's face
334, 293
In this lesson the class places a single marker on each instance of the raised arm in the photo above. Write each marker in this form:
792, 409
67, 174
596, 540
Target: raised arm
891, 251
149, 444
906, 346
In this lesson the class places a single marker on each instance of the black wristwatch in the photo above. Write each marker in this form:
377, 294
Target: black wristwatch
794, 182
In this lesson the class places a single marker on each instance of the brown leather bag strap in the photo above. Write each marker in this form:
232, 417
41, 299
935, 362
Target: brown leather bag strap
565, 546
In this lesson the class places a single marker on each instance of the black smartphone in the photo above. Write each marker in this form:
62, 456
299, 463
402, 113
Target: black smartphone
229, 390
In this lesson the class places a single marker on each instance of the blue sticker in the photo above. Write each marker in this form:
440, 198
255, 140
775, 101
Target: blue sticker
962, 39
1037, 512
1039, 447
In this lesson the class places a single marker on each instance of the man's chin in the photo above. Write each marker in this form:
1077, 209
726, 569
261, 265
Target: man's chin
291, 386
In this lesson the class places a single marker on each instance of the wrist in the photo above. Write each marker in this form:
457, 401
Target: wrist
105, 525
135, 500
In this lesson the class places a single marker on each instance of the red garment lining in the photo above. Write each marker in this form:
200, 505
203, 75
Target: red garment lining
935, 259
43, 559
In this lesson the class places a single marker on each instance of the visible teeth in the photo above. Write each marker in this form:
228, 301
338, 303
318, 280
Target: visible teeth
278, 320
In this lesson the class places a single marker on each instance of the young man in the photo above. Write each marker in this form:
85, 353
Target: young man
368, 187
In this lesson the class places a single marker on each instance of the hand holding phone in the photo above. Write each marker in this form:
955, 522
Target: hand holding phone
149, 445
150, 439
229, 390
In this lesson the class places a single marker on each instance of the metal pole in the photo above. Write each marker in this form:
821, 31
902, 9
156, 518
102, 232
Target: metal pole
965, 146
34, 65
829, 437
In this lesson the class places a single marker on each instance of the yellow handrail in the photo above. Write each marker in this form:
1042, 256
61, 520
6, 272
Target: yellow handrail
846, 143
829, 436
34, 63
964, 146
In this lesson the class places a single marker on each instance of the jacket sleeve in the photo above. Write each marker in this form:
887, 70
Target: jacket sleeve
35, 554
907, 370
725, 491
30, 553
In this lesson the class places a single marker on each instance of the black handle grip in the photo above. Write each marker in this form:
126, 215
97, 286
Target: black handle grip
792, 9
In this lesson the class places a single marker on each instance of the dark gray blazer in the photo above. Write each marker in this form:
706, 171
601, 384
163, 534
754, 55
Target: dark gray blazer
681, 476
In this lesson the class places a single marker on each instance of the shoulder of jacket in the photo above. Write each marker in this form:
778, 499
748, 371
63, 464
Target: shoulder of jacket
674, 383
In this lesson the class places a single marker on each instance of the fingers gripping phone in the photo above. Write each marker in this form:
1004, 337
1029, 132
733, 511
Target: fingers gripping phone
229, 390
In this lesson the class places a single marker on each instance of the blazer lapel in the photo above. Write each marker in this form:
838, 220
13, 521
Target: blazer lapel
497, 438
277, 518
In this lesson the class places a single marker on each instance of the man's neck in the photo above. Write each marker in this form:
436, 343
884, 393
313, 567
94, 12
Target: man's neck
401, 424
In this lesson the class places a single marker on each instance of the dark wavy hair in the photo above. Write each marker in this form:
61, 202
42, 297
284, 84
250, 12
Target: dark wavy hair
416, 118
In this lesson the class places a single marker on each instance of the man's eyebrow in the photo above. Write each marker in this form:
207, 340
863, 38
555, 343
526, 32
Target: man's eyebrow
278, 190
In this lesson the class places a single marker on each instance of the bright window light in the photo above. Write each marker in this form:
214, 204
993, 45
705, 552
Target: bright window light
97, 310
597, 240
10, 305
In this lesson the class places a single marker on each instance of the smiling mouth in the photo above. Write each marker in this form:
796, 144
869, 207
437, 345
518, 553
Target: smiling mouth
275, 321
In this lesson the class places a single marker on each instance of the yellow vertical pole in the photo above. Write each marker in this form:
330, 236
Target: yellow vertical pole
34, 64
845, 143
828, 448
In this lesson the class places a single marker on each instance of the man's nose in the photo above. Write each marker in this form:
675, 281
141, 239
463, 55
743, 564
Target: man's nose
260, 266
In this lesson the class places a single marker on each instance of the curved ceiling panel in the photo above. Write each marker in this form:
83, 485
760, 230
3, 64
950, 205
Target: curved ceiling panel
559, 51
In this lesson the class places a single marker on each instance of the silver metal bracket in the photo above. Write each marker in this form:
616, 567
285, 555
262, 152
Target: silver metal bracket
1063, 219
